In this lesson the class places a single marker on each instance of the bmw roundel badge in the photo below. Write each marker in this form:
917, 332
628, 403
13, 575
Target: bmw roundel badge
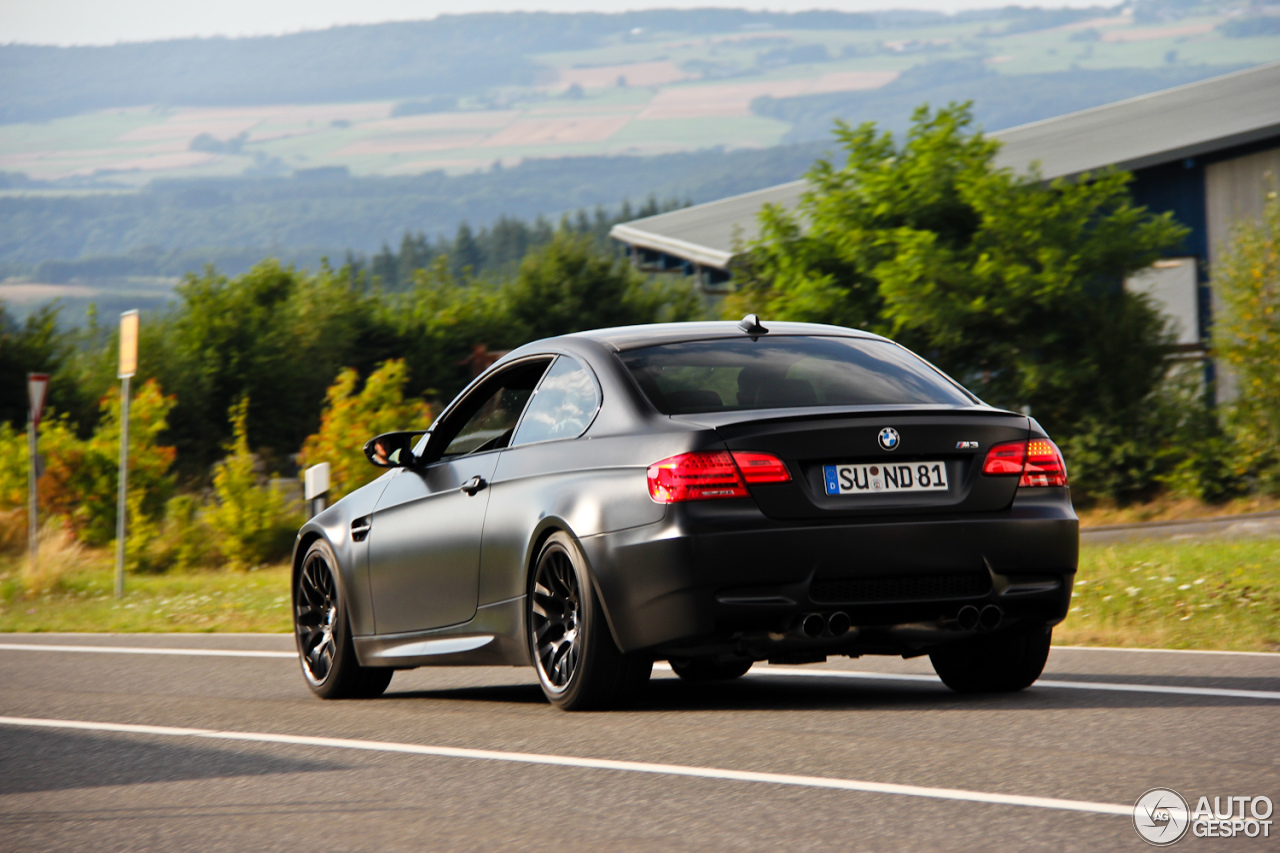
888, 438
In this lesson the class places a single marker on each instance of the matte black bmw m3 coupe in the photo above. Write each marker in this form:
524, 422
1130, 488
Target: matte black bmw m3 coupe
709, 494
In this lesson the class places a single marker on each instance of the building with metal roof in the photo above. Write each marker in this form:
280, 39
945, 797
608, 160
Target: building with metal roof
1201, 150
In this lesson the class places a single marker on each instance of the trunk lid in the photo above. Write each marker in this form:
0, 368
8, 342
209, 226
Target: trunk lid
809, 440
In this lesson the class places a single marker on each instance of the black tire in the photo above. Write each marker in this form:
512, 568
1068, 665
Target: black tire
578, 663
997, 663
322, 631
710, 668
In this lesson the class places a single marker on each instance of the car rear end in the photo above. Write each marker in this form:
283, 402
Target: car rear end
838, 496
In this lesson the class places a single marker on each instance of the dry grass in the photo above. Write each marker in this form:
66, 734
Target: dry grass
1173, 509
13, 530
58, 557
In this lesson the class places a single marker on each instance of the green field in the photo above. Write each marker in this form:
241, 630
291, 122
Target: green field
1206, 594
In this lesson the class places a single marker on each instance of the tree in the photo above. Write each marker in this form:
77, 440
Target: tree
569, 285
274, 334
1011, 285
81, 479
352, 417
1246, 338
36, 345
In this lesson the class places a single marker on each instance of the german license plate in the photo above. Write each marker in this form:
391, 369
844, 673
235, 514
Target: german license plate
888, 478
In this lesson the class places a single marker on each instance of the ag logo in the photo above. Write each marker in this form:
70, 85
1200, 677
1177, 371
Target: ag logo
1161, 816
888, 438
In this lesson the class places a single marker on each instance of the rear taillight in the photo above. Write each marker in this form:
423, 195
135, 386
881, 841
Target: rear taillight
1045, 465
711, 476
761, 468
1038, 462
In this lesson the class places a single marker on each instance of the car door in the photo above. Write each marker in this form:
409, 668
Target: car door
424, 537
541, 473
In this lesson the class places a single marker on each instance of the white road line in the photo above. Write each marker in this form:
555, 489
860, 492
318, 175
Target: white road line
1272, 655
758, 670
1044, 682
135, 650
590, 764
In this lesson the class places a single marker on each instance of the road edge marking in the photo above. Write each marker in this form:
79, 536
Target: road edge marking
588, 763
1119, 687
1275, 655
144, 650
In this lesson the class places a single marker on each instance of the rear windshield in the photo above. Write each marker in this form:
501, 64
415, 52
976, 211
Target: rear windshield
786, 372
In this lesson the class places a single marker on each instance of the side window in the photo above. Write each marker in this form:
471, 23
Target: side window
563, 406
486, 418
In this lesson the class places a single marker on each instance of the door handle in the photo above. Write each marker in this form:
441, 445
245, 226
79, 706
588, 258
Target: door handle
474, 485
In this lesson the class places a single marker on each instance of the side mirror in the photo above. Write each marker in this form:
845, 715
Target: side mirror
392, 449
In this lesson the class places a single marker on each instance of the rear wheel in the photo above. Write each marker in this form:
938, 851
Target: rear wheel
578, 664
996, 663
323, 633
710, 668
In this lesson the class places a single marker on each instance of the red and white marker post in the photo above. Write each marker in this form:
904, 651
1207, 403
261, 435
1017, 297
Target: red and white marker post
37, 390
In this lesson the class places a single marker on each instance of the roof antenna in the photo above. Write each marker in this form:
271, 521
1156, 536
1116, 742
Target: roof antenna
751, 325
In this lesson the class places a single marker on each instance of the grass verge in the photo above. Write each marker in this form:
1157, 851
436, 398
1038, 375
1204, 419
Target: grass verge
83, 599
1199, 594
1203, 594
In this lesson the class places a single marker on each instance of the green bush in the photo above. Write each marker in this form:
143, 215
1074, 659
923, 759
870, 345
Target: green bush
251, 520
1174, 441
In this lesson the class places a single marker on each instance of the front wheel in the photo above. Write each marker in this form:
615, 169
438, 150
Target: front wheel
578, 664
996, 663
323, 633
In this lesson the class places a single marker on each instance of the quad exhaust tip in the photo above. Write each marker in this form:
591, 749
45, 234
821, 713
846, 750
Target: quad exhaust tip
986, 619
813, 625
838, 623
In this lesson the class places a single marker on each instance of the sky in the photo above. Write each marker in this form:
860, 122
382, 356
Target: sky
68, 22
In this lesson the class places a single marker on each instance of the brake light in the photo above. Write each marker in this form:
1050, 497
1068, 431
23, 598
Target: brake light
1045, 465
1037, 462
712, 476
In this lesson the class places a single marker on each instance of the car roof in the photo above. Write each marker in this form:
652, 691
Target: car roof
632, 337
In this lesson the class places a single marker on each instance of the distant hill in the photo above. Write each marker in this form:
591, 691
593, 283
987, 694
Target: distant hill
145, 161
451, 54
177, 226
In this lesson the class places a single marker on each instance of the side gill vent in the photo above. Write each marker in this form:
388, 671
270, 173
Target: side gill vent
360, 528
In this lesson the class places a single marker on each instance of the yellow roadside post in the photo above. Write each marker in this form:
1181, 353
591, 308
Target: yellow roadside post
128, 367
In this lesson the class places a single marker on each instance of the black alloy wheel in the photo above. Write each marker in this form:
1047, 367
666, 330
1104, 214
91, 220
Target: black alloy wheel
556, 613
578, 663
325, 651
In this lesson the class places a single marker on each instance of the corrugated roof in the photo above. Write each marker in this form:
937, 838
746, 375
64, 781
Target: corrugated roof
1162, 127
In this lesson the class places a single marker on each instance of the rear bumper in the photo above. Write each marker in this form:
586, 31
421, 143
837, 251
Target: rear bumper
722, 578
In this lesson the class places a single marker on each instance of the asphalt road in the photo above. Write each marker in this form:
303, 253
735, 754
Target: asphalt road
106, 750
1250, 526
